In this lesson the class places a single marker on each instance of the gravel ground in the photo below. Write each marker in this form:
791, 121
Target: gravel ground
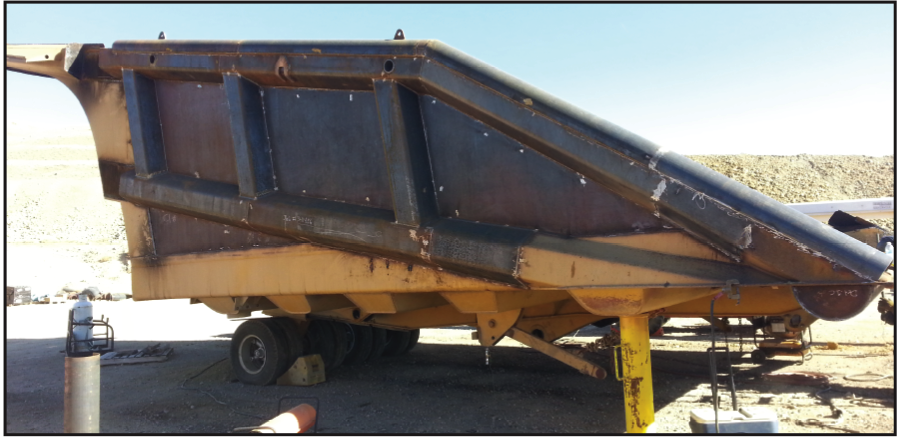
60, 231
442, 386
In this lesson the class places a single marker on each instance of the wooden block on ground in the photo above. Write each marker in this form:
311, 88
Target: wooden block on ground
306, 371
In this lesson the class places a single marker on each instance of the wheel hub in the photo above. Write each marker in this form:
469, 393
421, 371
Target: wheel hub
252, 354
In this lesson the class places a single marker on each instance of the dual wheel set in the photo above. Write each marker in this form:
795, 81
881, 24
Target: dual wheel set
263, 349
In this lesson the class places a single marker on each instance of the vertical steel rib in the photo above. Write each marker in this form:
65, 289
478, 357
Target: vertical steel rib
143, 121
251, 140
406, 153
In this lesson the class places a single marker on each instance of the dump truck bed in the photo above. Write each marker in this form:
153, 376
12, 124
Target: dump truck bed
348, 187
398, 176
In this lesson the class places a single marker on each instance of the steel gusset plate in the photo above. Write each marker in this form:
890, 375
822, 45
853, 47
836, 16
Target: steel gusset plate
835, 303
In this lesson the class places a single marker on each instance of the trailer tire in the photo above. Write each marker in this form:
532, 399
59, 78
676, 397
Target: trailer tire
321, 341
359, 344
379, 341
324, 341
340, 342
291, 332
258, 352
396, 344
758, 356
413, 340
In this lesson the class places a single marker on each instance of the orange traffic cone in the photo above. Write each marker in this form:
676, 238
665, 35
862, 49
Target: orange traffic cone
297, 420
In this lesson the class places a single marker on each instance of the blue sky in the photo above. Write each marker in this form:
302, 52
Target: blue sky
724, 78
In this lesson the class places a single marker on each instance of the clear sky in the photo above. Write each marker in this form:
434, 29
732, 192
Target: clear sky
717, 79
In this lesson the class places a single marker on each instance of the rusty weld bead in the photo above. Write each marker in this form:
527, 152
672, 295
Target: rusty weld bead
492, 323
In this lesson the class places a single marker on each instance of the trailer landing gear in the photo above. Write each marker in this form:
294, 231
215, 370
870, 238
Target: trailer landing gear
636, 376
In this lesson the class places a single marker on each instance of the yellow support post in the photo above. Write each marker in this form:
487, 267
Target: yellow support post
636, 375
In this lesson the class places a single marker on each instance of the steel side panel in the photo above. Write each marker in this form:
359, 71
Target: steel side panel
483, 175
327, 144
196, 130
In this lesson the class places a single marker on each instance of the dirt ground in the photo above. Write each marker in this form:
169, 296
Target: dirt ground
60, 231
441, 386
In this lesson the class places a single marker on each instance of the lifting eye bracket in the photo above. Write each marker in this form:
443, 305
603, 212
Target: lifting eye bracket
732, 289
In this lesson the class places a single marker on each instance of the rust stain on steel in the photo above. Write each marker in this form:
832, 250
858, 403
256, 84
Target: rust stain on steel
633, 392
835, 302
611, 304
425, 238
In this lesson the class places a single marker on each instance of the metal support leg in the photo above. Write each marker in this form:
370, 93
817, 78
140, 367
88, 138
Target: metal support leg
636, 375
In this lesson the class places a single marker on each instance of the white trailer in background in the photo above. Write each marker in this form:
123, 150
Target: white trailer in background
882, 208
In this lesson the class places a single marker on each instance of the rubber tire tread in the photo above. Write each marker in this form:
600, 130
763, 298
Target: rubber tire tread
413, 340
396, 343
284, 352
379, 341
275, 347
362, 345
292, 335
340, 342
322, 342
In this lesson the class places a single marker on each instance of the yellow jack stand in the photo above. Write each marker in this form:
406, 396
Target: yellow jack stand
636, 377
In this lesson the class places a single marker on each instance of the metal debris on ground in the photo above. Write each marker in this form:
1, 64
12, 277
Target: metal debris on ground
607, 341
149, 354
872, 402
798, 378
836, 413
182, 387
818, 422
868, 376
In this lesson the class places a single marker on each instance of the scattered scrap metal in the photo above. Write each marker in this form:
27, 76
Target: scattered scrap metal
836, 413
149, 354
798, 378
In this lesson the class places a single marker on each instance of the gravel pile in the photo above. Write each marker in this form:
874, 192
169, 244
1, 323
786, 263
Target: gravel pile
810, 178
